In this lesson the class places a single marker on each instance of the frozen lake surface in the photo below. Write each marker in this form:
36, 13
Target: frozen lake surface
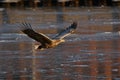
91, 53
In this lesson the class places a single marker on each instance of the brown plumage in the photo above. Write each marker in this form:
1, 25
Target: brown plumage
45, 41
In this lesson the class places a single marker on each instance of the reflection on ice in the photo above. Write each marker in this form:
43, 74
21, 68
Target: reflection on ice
83, 56
97, 37
14, 37
111, 22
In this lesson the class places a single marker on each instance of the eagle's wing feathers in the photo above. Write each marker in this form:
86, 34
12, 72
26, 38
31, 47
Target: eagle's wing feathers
66, 31
27, 29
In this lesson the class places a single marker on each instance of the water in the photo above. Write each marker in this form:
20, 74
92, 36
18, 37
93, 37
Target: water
87, 59
91, 53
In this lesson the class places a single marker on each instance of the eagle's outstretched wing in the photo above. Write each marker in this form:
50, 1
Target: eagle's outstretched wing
27, 29
66, 31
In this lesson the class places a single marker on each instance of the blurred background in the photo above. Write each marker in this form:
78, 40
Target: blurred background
54, 3
91, 53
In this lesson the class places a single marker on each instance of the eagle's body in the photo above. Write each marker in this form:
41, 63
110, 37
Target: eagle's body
45, 41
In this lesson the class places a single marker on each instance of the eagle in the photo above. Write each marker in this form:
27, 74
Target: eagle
45, 41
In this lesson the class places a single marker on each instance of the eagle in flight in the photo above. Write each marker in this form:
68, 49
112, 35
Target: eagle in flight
45, 41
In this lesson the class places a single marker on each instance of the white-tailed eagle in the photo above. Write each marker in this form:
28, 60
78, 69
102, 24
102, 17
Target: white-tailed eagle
44, 40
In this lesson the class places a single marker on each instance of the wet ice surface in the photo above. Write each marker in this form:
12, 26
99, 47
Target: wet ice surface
73, 37
73, 59
84, 56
